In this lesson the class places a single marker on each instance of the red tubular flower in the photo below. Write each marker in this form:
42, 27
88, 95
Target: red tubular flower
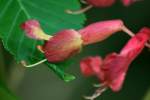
115, 65
68, 42
113, 68
99, 31
62, 45
33, 30
91, 34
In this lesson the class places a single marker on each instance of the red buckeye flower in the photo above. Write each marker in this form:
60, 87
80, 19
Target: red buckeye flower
66, 43
112, 70
99, 3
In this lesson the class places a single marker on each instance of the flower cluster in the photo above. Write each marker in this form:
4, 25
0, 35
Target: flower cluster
66, 43
111, 70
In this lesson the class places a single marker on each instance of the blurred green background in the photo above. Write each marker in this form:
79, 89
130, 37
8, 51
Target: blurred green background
40, 83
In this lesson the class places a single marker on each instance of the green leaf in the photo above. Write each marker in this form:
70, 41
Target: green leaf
60, 72
50, 13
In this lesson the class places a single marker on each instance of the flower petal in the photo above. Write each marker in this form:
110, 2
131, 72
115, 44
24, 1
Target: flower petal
114, 68
116, 84
90, 66
62, 45
136, 44
33, 30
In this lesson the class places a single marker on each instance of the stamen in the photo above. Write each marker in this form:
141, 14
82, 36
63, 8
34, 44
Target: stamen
79, 11
83, 1
130, 33
40, 62
97, 93
126, 30
40, 48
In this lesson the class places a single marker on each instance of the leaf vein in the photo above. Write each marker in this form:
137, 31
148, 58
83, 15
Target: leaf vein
12, 26
5, 8
23, 8
49, 12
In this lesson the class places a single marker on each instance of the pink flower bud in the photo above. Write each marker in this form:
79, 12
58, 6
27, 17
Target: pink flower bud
33, 30
99, 31
112, 70
101, 3
62, 45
